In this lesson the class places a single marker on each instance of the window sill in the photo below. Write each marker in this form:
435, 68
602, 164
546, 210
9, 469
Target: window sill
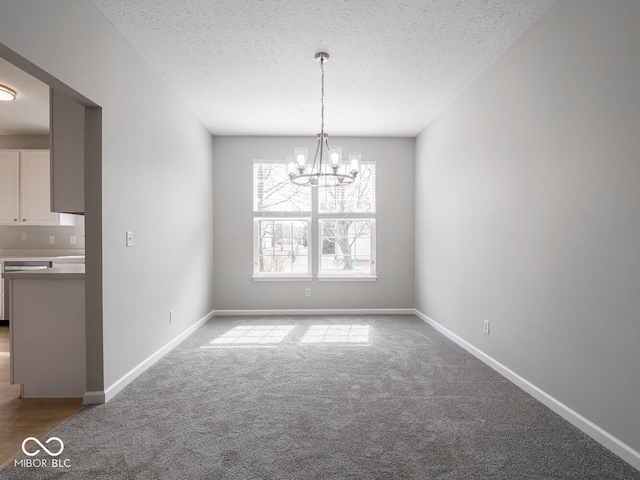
282, 278
347, 278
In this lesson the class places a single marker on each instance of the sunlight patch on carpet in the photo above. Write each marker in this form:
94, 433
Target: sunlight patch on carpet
253, 335
349, 334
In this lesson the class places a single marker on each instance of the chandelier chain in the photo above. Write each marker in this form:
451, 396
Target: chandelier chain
322, 96
334, 173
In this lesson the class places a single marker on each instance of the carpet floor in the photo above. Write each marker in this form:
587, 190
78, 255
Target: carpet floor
350, 397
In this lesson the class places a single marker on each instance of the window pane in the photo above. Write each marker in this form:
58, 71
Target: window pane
346, 246
274, 192
358, 197
283, 246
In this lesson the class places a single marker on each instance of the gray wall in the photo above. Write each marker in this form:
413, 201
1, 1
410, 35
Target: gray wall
156, 178
528, 212
24, 141
234, 287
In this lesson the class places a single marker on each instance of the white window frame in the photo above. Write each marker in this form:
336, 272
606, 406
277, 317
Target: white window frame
348, 275
280, 216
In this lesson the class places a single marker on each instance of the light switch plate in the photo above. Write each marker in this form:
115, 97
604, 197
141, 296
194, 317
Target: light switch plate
129, 239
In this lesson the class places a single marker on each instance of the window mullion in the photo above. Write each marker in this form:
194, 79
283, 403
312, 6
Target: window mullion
282, 214
315, 233
347, 215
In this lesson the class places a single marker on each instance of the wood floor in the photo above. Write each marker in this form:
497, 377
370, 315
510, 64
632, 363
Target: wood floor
22, 418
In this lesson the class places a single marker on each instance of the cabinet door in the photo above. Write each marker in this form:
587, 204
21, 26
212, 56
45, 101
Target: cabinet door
35, 189
67, 153
9, 187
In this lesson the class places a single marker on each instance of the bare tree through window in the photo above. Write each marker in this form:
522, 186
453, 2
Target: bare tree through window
282, 219
346, 238
282, 242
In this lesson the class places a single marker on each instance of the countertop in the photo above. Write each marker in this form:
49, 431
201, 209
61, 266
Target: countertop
57, 256
70, 271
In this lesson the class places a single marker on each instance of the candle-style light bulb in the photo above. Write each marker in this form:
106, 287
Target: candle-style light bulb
354, 161
291, 165
301, 156
335, 156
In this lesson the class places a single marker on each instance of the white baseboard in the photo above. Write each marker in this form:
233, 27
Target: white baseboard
93, 398
600, 435
317, 311
98, 397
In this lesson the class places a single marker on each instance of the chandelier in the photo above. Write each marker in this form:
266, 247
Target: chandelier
327, 168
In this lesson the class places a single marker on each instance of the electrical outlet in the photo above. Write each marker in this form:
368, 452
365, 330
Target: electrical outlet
72, 239
486, 327
308, 292
23, 236
172, 316
52, 239
129, 239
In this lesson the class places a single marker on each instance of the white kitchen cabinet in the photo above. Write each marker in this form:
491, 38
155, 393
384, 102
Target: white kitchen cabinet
25, 189
9, 187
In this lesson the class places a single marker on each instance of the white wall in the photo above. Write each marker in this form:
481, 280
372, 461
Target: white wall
234, 287
38, 236
528, 212
156, 177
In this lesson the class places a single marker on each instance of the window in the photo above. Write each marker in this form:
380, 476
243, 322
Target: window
283, 245
346, 247
281, 219
347, 227
287, 217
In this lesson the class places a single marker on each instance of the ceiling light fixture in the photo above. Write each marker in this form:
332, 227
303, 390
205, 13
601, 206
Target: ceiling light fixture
6, 94
319, 174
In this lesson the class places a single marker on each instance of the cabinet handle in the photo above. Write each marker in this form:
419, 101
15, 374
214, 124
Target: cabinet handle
24, 219
15, 219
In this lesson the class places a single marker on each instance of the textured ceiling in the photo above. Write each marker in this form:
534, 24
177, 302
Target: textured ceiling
247, 67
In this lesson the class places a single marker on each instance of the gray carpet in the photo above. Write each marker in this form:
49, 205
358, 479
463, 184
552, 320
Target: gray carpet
402, 402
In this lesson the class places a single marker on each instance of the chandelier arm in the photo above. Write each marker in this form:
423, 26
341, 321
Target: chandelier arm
322, 180
315, 157
326, 145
